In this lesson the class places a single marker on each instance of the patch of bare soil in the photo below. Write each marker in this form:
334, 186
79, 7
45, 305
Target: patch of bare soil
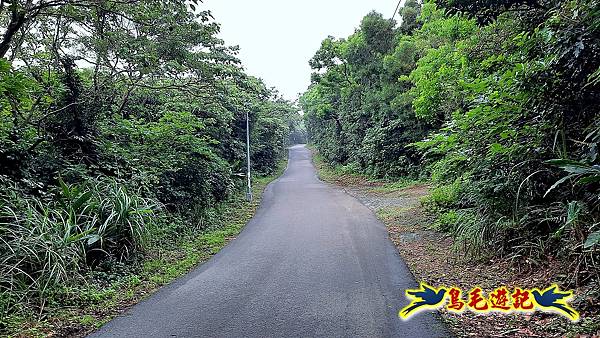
433, 258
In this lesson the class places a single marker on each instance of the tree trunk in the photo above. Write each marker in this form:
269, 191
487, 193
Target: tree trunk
17, 20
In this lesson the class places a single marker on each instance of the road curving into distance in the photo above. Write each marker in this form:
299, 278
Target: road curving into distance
313, 262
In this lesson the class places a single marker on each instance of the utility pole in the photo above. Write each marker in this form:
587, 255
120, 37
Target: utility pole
397, 8
249, 192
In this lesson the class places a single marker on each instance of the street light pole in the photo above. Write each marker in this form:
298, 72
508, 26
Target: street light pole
249, 192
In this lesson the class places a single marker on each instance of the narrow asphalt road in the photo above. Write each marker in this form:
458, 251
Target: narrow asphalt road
313, 262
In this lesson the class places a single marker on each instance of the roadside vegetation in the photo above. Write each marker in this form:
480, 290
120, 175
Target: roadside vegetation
122, 153
496, 103
97, 296
431, 256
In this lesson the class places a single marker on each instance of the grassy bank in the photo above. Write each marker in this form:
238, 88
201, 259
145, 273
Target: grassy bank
88, 304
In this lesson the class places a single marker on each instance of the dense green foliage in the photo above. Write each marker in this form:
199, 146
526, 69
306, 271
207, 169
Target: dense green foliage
498, 101
122, 126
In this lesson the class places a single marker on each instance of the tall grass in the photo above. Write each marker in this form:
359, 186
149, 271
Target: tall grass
45, 243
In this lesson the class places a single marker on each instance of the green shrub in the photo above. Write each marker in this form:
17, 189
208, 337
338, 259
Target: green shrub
446, 221
443, 197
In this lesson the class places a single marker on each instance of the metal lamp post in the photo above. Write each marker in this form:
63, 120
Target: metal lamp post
249, 192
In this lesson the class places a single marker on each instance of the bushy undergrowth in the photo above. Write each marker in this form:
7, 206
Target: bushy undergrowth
46, 243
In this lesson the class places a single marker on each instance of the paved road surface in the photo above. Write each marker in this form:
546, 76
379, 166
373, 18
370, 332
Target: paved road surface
313, 262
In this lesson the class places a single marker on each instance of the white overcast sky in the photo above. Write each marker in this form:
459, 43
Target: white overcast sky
278, 37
